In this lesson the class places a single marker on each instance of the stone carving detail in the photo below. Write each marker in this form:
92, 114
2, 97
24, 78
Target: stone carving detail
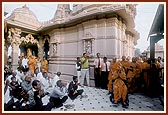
30, 38
88, 47
88, 43
55, 40
54, 48
88, 34
14, 36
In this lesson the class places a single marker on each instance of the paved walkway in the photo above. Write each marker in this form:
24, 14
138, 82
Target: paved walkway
98, 100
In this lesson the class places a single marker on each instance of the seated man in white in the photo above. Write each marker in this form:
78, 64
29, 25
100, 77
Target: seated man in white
45, 83
58, 96
54, 79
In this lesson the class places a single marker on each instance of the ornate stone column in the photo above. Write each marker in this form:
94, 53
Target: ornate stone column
5, 53
119, 37
15, 51
14, 35
123, 37
124, 48
114, 24
40, 47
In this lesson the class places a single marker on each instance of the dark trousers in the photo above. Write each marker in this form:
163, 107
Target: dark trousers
104, 79
155, 87
17, 106
9, 106
57, 102
79, 92
97, 76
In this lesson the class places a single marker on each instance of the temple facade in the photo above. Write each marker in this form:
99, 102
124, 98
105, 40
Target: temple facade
105, 28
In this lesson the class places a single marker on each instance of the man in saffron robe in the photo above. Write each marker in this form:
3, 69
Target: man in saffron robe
32, 63
119, 86
113, 68
44, 65
134, 71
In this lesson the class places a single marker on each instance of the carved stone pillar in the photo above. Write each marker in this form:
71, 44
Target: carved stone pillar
40, 48
14, 35
124, 48
123, 37
114, 23
5, 53
15, 48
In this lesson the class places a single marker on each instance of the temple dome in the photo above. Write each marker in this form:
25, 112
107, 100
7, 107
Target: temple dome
25, 16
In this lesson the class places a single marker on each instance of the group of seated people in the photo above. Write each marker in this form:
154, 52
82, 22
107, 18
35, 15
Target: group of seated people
25, 92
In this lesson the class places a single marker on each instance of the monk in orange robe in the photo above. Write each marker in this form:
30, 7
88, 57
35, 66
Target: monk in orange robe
113, 68
125, 63
146, 70
134, 71
32, 64
119, 86
44, 65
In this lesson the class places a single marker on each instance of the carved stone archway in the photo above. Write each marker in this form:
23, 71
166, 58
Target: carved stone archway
14, 36
31, 45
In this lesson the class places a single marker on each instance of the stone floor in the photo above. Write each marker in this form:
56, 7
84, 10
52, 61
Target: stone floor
98, 100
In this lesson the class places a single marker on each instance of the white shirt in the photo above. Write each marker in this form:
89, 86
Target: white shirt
77, 67
161, 64
25, 62
21, 75
7, 96
17, 79
54, 80
39, 76
45, 84
96, 62
103, 66
9, 78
